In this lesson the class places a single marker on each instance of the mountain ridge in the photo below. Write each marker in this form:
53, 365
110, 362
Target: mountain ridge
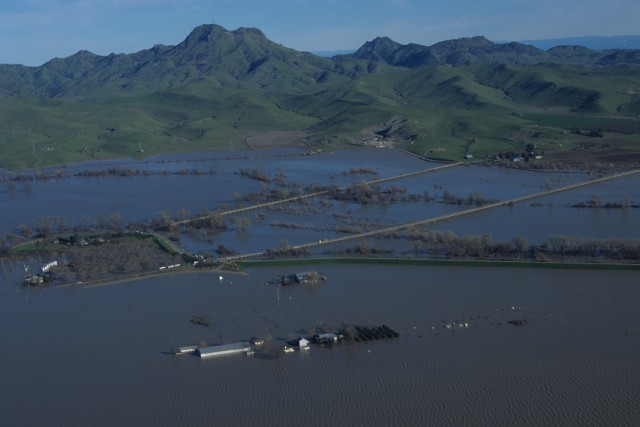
211, 49
478, 49
208, 49
591, 42
218, 86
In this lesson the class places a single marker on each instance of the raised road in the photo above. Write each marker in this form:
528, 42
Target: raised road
314, 194
439, 218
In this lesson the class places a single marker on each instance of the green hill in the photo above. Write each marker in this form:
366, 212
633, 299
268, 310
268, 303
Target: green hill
222, 88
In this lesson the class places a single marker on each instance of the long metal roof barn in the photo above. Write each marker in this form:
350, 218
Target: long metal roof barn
221, 350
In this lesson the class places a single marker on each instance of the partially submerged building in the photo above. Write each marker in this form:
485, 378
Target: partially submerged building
309, 276
257, 341
303, 344
33, 280
325, 338
225, 349
187, 349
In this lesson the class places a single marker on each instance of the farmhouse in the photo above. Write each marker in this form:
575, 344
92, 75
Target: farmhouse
303, 344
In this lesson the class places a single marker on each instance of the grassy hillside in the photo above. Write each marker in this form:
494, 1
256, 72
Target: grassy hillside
218, 88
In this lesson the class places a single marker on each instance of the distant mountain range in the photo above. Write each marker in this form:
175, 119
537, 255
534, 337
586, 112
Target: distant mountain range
590, 42
211, 50
330, 53
219, 85
479, 50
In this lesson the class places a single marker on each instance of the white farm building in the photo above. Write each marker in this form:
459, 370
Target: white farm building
225, 349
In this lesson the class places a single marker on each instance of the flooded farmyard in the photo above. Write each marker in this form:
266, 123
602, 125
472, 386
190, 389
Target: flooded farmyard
476, 345
76, 356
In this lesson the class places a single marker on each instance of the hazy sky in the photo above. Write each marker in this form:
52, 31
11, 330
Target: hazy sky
35, 31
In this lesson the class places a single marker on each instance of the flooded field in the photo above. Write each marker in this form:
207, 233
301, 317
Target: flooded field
189, 184
103, 355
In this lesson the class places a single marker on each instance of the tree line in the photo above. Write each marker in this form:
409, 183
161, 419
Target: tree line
7, 177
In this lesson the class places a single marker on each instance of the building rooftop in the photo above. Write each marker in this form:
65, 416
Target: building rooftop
219, 350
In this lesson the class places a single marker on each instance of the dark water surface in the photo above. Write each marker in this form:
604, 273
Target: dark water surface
98, 356
142, 198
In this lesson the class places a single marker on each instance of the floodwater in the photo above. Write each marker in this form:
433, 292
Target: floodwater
100, 356
141, 198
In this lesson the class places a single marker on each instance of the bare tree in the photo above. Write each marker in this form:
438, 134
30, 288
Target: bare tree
520, 244
115, 221
25, 231
242, 223
183, 214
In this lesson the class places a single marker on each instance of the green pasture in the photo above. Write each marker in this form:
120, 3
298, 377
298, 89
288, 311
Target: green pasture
478, 109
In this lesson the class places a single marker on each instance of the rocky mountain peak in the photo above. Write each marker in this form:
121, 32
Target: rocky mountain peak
380, 46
